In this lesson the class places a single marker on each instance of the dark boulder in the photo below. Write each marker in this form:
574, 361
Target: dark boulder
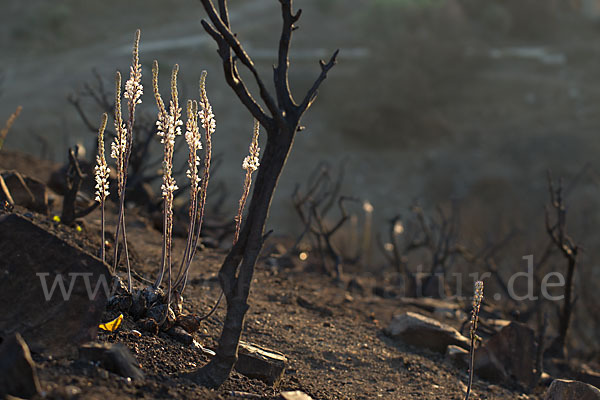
114, 357
18, 376
51, 292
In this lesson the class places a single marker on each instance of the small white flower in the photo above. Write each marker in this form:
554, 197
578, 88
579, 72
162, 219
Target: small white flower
250, 163
478, 295
114, 150
477, 299
101, 170
133, 87
207, 118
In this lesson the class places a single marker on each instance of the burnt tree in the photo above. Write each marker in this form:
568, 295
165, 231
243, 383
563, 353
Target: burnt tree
557, 231
281, 121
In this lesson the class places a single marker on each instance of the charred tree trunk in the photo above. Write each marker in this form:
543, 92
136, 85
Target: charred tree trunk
281, 125
243, 256
565, 317
74, 179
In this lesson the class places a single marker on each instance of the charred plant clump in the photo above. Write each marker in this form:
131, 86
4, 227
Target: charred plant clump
153, 307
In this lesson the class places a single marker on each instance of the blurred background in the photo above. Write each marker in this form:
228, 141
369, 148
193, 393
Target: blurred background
433, 101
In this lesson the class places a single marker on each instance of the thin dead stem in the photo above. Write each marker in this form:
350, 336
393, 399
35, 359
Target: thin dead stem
9, 123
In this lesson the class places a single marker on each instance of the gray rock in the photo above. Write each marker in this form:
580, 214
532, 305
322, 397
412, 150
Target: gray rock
442, 308
40, 195
458, 356
244, 395
48, 288
295, 395
179, 334
508, 356
562, 389
25, 191
17, 188
497, 324
587, 375
260, 363
18, 376
113, 357
421, 331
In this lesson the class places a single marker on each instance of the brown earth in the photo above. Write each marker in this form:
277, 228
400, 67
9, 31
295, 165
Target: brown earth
331, 335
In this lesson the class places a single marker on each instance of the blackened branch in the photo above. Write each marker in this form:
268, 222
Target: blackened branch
284, 94
312, 93
220, 26
558, 234
232, 79
74, 178
224, 12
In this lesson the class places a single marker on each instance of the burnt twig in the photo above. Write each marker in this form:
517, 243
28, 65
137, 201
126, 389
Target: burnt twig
557, 230
74, 178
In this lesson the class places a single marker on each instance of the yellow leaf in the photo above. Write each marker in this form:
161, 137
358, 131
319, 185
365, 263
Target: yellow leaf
112, 325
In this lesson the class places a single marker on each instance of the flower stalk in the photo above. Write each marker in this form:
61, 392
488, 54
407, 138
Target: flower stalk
477, 299
169, 127
192, 137
121, 147
102, 172
250, 164
208, 124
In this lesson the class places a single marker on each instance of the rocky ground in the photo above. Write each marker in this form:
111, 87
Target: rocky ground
337, 337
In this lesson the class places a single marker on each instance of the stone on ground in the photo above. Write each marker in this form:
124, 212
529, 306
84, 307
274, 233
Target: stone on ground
114, 357
458, 356
439, 307
562, 389
51, 292
18, 376
508, 356
179, 334
587, 375
421, 331
295, 395
260, 363
24, 191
